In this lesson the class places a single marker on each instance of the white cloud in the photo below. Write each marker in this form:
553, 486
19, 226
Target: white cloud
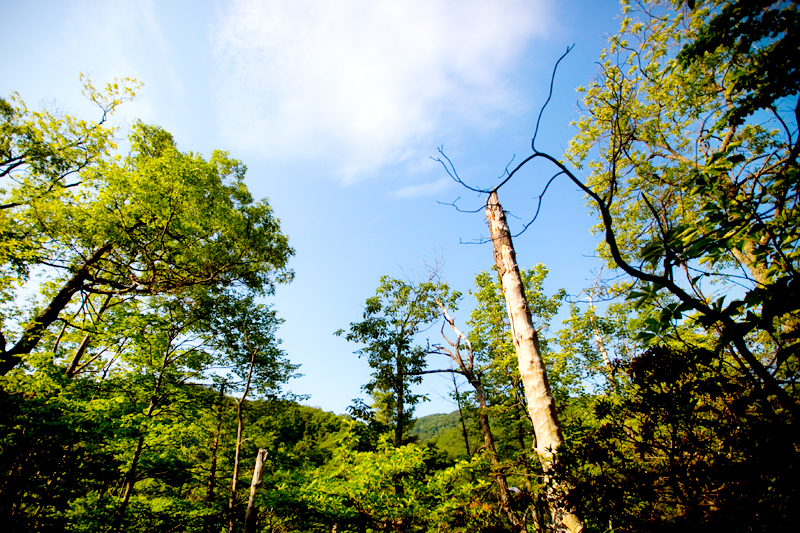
362, 84
124, 38
424, 189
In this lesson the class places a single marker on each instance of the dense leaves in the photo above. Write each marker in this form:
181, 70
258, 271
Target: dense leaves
392, 320
687, 448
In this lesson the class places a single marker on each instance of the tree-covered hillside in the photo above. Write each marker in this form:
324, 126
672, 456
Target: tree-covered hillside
431, 426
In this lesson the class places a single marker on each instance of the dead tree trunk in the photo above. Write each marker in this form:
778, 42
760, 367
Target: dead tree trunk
541, 404
251, 516
598, 337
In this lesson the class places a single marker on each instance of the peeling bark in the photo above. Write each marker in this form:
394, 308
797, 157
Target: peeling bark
251, 516
540, 401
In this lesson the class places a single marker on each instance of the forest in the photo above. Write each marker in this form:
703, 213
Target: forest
143, 382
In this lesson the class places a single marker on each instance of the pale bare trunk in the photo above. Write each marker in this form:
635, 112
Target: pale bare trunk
76, 359
601, 347
598, 337
541, 404
251, 516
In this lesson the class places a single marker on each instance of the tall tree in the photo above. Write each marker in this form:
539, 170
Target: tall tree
103, 412
244, 334
686, 198
494, 347
163, 357
392, 320
540, 401
43, 155
158, 222
697, 200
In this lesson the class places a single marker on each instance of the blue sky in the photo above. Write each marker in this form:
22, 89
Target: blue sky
336, 108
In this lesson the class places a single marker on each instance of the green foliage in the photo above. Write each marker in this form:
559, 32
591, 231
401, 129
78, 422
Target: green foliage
687, 448
697, 198
42, 154
445, 433
430, 426
699, 212
681, 190
158, 222
762, 40
126, 377
406, 487
392, 319
154, 263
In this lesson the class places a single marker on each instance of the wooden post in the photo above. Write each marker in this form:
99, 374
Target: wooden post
250, 518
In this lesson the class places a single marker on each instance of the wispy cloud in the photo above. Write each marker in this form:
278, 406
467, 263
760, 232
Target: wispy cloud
126, 39
358, 83
424, 189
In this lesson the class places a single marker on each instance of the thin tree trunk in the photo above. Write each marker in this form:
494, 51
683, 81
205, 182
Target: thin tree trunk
72, 369
130, 475
76, 359
251, 516
488, 442
468, 371
521, 440
399, 427
212, 474
130, 479
541, 404
461, 415
239, 429
598, 338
